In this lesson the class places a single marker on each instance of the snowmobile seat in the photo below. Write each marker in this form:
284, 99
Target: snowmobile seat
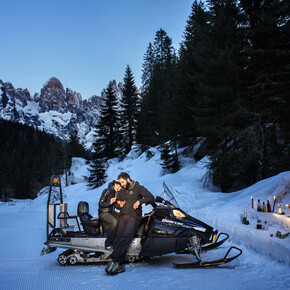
92, 226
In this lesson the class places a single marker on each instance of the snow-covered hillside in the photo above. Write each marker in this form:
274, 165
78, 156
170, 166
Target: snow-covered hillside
264, 263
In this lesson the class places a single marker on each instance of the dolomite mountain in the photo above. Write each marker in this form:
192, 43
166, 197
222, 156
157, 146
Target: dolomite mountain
56, 110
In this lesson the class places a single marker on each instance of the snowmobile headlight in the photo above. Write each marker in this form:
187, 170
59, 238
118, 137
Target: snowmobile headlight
178, 213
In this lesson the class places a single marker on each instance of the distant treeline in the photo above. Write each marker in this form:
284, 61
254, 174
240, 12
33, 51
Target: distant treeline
29, 157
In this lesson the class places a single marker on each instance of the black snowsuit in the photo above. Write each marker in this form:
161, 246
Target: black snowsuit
105, 213
129, 218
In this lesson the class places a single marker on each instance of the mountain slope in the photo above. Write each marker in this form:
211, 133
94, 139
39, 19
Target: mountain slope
55, 110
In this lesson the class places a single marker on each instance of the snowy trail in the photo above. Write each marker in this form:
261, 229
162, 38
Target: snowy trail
36, 274
22, 267
251, 272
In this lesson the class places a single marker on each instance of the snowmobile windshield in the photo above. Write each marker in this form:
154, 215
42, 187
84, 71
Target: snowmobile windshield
168, 195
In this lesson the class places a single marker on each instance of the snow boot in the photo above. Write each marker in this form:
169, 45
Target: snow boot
110, 267
117, 268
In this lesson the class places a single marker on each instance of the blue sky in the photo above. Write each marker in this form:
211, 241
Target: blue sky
84, 43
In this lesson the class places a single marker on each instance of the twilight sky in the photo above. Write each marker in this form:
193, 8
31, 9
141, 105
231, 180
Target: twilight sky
84, 43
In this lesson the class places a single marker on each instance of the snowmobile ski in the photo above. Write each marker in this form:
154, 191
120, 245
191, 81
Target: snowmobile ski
209, 264
216, 243
211, 246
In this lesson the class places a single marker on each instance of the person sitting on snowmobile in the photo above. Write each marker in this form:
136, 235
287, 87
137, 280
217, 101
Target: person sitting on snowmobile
129, 201
106, 208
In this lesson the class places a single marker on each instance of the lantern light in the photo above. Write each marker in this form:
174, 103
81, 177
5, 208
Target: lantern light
55, 180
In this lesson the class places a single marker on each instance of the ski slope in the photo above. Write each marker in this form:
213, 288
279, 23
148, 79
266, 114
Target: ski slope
264, 264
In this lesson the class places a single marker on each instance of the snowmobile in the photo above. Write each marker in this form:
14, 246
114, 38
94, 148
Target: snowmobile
166, 229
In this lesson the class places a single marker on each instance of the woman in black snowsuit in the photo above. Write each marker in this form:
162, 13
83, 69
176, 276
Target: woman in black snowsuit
106, 208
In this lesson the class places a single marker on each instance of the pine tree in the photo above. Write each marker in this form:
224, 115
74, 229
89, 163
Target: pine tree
108, 127
75, 148
147, 67
97, 172
97, 164
189, 66
107, 138
129, 110
169, 157
157, 91
162, 81
145, 134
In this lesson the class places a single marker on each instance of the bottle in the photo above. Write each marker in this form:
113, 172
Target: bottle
244, 218
259, 207
281, 209
259, 225
265, 226
268, 206
264, 207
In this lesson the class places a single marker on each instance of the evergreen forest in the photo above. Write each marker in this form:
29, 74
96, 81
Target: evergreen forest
224, 94
29, 158
227, 91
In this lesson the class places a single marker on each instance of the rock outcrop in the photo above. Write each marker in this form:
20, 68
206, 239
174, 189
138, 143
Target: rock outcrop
56, 110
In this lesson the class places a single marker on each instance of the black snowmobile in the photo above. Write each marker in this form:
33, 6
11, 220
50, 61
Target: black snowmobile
167, 229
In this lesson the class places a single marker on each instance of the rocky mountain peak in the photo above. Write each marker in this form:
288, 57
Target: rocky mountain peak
73, 97
56, 110
52, 96
22, 95
54, 84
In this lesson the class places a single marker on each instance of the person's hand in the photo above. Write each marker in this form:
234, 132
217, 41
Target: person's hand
121, 203
136, 204
113, 200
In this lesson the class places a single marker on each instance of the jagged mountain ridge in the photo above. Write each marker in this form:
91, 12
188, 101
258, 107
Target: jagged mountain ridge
55, 110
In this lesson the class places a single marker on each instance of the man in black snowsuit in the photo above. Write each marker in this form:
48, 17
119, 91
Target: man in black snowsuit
129, 201
106, 208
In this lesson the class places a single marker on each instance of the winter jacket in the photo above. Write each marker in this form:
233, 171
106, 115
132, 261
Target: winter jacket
131, 195
104, 203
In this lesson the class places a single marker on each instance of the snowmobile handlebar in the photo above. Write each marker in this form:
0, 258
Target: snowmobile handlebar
159, 199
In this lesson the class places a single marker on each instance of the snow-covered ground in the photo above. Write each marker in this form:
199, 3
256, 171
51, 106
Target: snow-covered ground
264, 264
